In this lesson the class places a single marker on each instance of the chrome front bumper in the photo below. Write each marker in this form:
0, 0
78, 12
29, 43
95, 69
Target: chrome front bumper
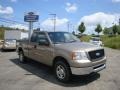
88, 70
8, 47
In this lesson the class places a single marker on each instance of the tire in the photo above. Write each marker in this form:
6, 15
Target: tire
21, 57
2, 50
62, 71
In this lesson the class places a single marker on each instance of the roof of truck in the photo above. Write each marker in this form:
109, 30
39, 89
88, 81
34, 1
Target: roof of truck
48, 31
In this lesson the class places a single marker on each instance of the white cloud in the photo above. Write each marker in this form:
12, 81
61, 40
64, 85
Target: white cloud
13, 0
19, 26
71, 8
6, 10
116, 1
60, 23
49, 22
106, 20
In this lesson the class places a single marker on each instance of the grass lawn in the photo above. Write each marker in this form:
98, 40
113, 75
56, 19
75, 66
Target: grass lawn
111, 42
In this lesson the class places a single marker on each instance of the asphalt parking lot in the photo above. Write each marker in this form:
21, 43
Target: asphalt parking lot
35, 76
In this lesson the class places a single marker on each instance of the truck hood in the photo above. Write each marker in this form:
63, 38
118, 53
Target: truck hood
77, 46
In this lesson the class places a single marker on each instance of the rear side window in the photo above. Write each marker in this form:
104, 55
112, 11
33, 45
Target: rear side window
34, 37
40, 36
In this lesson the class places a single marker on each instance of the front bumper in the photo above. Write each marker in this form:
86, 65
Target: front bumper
87, 70
8, 47
95, 67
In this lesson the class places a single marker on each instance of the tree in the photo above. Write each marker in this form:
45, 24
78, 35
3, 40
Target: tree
106, 31
81, 27
119, 29
115, 29
98, 29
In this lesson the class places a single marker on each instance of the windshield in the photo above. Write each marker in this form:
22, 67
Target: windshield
62, 37
95, 39
10, 40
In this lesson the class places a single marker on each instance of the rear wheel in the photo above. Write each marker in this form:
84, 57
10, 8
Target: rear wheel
62, 71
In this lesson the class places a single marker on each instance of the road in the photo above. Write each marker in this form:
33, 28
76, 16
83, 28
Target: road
35, 76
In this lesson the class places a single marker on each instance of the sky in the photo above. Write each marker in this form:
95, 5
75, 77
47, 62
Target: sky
91, 12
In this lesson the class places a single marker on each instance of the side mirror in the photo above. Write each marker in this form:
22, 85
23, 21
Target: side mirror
43, 41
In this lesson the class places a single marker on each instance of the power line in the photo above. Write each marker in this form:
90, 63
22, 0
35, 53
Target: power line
5, 21
9, 21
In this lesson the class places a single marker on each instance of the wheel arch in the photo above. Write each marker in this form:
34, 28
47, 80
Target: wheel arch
60, 58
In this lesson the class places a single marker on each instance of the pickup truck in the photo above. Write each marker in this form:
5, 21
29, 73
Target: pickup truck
96, 41
11, 37
64, 52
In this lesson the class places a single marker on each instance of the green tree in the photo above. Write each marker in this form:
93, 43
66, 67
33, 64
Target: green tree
98, 29
119, 29
81, 27
115, 29
106, 31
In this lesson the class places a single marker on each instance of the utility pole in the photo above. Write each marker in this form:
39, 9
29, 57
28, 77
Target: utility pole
39, 27
73, 28
119, 21
54, 19
68, 26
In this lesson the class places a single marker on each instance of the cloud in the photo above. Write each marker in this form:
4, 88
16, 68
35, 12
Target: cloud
106, 20
13, 0
49, 22
71, 8
19, 26
116, 1
6, 10
61, 23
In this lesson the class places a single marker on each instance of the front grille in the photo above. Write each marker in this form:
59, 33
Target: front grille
97, 54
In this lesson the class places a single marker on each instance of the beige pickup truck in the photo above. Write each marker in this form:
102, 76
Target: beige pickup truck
64, 52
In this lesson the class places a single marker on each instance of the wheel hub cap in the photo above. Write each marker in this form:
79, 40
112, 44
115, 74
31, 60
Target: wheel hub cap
60, 72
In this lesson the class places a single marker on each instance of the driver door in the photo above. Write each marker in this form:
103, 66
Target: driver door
43, 51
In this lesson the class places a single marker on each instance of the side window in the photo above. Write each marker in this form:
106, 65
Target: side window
41, 37
34, 37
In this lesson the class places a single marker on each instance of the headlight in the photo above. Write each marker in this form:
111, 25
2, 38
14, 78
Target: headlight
79, 56
6, 45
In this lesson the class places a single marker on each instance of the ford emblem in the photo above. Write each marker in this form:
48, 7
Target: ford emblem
97, 54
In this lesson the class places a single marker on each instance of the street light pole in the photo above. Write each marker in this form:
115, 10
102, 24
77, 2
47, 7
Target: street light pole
30, 29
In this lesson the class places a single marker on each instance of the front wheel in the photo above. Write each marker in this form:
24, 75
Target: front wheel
62, 71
